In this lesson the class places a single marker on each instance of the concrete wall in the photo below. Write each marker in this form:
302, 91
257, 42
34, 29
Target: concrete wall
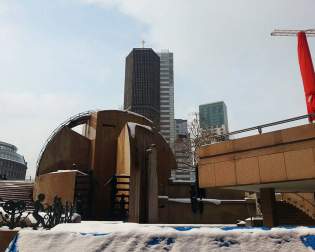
284, 155
56, 184
225, 213
182, 190
65, 149
139, 188
108, 127
123, 153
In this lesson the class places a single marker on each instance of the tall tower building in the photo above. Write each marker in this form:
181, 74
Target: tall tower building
142, 83
213, 116
167, 125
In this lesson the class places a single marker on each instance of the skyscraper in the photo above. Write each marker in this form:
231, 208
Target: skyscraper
167, 124
142, 83
213, 116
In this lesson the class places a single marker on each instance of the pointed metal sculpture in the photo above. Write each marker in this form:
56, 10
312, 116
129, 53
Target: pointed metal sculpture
307, 72
306, 65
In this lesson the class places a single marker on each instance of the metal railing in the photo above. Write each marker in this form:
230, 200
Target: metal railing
15, 213
259, 128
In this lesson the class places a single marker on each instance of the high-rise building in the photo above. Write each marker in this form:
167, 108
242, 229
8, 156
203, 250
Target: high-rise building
142, 83
213, 116
167, 127
184, 171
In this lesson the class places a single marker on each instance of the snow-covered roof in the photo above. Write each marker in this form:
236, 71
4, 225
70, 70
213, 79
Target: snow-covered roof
63, 171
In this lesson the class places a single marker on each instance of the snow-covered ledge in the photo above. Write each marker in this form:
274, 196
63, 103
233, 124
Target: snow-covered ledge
105, 236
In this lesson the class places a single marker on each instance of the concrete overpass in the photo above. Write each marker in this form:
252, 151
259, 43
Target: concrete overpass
278, 161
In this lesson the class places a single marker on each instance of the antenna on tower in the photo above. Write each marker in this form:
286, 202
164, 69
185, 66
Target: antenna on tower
142, 42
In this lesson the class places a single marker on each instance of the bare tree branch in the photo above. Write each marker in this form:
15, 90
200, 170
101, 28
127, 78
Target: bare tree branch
197, 137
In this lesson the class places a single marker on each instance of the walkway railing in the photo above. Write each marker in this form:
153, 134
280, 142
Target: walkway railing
259, 128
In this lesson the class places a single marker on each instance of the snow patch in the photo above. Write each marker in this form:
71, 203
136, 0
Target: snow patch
188, 200
136, 114
63, 171
132, 127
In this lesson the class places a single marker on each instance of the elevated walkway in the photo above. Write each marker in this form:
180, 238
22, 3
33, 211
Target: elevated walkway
283, 160
279, 161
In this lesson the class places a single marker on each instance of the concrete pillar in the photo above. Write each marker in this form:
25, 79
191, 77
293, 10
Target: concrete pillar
268, 206
152, 186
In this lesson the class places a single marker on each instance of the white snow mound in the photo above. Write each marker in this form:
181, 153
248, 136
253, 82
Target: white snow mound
102, 236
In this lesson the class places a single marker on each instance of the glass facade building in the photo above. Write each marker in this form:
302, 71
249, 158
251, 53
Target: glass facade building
214, 116
142, 83
12, 164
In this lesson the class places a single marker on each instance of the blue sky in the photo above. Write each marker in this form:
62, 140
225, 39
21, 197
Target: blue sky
62, 57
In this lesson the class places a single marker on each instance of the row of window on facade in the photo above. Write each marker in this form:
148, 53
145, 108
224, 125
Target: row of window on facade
8, 164
12, 173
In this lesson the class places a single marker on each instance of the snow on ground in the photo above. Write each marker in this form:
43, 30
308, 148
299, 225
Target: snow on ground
118, 236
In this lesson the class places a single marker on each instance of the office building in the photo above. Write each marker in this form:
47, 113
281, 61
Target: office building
213, 116
142, 84
167, 123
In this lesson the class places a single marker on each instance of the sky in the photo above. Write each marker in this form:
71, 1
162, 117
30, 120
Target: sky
62, 57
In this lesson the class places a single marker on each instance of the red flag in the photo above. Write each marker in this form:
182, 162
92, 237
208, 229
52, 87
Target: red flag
307, 72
